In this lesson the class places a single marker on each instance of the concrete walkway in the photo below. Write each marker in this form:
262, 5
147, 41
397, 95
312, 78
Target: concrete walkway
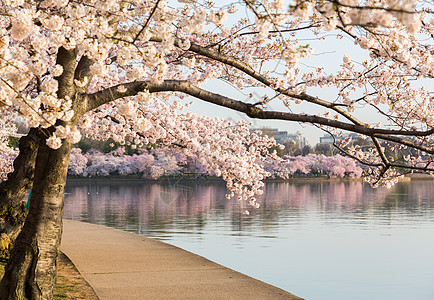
121, 265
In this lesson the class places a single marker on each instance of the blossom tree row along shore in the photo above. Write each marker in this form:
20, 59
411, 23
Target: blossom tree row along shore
164, 162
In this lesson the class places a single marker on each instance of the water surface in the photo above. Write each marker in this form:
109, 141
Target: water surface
323, 240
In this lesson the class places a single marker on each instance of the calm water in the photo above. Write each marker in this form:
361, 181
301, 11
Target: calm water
317, 240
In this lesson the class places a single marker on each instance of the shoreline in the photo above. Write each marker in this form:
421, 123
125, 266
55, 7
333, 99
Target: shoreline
187, 179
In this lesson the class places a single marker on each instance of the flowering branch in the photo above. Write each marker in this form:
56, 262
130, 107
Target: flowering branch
133, 88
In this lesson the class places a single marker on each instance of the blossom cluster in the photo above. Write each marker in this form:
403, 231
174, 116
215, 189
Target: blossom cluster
230, 150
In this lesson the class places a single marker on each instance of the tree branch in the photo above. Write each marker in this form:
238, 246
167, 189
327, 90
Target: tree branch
131, 89
83, 68
230, 61
67, 59
147, 21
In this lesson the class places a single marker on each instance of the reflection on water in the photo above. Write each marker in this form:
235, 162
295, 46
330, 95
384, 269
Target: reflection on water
318, 240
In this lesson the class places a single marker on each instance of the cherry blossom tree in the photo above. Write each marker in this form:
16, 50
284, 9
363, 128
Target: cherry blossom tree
148, 165
340, 166
334, 166
122, 70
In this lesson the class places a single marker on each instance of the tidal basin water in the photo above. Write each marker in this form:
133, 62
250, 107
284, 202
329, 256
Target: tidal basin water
318, 240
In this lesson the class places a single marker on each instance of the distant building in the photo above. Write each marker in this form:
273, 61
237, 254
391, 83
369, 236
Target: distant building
327, 139
283, 137
298, 138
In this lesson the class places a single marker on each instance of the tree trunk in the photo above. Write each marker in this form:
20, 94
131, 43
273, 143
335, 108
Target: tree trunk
12, 191
31, 270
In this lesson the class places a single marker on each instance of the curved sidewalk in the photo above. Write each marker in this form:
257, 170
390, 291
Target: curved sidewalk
121, 265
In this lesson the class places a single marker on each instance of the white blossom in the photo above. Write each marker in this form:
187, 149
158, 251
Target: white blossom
54, 142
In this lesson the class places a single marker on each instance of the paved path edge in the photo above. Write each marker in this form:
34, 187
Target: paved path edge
123, 265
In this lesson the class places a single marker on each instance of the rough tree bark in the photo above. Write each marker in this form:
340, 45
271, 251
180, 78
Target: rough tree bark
31, 270
12, 191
